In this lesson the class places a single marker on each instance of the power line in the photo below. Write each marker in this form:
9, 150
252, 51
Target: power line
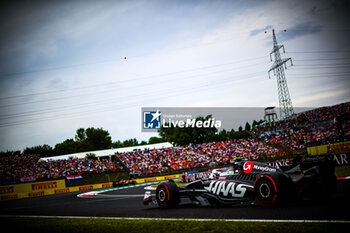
105, 61
322, 73
327, 64
151, 76
325, 51
317, 77
63, 109
110, 108
128, 80
103, 102
48, 110
319, 67
135, 86
151, 83
58, 68
323, 59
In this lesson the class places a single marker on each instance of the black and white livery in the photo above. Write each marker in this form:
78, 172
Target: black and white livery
252, 183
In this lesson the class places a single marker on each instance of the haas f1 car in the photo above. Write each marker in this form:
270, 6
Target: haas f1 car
252, 183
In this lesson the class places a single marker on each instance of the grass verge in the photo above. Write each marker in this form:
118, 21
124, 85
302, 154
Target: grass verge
85, 225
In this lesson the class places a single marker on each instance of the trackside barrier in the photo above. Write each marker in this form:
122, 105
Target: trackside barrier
35, 189
17, 191
158, 178
335, 148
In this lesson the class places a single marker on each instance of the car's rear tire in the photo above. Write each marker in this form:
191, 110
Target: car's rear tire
266, 190
167, 195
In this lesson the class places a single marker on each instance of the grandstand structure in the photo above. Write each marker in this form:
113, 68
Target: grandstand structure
327, 126
109, 152
270, 115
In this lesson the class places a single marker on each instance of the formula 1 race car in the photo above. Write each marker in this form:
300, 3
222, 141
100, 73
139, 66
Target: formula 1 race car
122, 183
253, 183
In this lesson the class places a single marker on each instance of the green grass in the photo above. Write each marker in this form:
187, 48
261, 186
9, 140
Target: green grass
85, 225
342, 171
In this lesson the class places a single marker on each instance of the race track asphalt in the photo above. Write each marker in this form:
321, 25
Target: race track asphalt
128, 203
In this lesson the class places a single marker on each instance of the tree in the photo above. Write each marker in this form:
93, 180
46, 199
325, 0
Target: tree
130, 142
240, 129
98, 138
80, 135
185, 135
255, 123
81, 146
66, 147
247, 127
117, 144
44, 150
224, 135
153, 140
143, 143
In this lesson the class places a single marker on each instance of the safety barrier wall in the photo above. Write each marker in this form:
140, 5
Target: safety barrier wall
335, 148
158, 178
35, 189
17, 191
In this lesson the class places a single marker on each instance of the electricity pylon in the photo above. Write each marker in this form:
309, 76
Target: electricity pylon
285, 102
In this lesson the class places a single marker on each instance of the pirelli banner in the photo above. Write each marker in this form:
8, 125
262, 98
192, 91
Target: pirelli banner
35, 189
335, 148
16, 191
158, 178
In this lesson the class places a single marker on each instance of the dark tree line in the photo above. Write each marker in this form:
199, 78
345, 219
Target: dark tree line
185, 135
91, 139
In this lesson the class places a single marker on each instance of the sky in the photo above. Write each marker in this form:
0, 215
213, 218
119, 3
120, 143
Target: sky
66, 65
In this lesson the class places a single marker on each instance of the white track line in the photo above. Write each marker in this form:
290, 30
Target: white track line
121, 195
97, 193
186, 219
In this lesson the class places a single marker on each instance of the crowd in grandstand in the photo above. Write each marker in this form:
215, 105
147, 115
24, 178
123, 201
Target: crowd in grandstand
319, 126
327, 113
195, 156
29, 168
315, 127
